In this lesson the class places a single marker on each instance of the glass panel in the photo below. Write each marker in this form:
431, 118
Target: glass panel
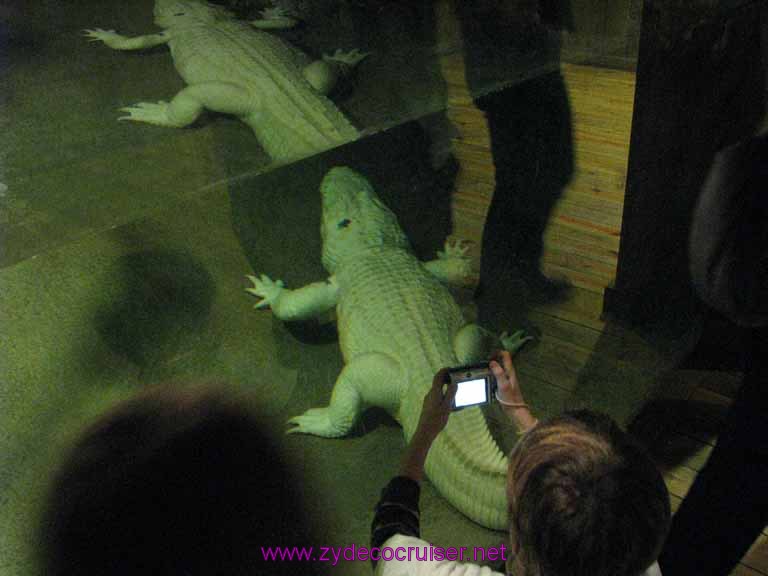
495, 139
63, 95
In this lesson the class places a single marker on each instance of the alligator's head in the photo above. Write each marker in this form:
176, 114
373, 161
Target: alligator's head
354, 219
174, 13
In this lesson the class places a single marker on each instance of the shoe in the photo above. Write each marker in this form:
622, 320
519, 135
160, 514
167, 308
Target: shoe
542, 289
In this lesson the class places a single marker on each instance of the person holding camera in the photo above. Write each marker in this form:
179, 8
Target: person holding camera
584, 499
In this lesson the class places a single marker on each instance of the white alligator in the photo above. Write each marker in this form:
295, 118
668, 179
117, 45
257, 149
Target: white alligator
232, 67
398, 325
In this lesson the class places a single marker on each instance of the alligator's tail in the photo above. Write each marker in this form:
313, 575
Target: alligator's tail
468, 468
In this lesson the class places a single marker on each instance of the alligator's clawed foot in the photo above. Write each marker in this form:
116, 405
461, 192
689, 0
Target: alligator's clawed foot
314, 421
454, 249
109, 37
148, 112
513, 342
265, 288
351, 58
454, 254
280, 9
277, 17
453, 265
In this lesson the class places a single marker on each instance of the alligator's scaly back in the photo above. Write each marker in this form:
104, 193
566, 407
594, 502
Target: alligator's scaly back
293, 119
233, 68
180, 13
392, 303
466, 465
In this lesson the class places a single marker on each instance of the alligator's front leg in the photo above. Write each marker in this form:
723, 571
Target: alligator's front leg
188, 104
475, 344
299, 304
452, 265
369, 380
119, 42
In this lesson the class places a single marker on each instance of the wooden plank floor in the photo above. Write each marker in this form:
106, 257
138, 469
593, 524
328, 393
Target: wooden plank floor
582, 240
581, 243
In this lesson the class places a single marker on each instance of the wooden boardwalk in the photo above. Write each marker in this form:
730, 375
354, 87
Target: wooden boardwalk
581, 243
582, 240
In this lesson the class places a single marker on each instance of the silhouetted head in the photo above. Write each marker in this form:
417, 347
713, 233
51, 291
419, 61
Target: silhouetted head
354, 219
585, 500
181, 482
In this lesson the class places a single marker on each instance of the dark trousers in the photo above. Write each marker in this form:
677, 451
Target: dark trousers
531, 144
727, 506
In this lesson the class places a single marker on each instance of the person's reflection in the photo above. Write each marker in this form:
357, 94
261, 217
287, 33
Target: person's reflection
512, 53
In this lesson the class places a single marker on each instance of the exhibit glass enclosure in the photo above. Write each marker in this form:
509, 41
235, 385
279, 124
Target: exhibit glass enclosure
126, 245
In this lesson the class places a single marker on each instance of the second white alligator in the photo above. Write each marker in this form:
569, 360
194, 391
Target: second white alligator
232, 68
397, 325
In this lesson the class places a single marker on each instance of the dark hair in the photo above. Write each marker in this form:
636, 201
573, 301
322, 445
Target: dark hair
173, 482
585, 499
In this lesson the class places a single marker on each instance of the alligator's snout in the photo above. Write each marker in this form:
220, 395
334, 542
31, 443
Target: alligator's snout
354, 219
343, 185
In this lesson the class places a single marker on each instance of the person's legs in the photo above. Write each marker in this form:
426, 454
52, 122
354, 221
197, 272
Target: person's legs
531, 143
499, 292
727, 506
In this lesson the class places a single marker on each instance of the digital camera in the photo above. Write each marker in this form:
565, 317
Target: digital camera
476, 385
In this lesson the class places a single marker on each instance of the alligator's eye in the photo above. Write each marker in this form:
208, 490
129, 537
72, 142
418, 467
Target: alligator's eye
344, 223
179, 14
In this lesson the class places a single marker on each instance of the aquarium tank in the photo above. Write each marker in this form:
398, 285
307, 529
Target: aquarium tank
322, 202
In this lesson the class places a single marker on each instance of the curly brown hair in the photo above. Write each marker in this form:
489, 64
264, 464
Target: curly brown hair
585, 499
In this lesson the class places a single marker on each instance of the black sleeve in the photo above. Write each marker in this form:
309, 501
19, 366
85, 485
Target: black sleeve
397, 511
729, 234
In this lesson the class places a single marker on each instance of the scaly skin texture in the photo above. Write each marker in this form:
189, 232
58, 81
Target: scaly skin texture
233, 68
398, 325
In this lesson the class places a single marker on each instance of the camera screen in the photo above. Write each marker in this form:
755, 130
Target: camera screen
471, 392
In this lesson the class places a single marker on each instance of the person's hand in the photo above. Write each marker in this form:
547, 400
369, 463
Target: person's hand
435, 411
509, 393
506, 379
436, 407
